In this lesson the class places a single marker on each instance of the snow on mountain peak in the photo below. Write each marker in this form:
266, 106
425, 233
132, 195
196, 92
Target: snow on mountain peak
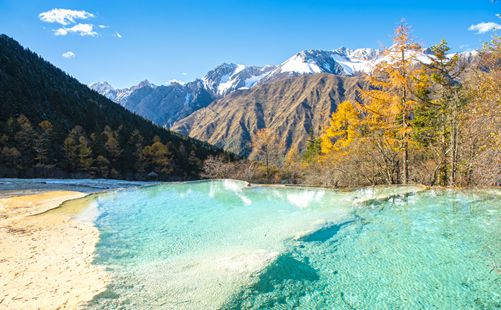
340, 61
363, 53
229, 77
226, 78
105, 89
115, 94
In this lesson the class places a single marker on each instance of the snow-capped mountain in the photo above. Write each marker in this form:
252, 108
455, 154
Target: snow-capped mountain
118, 95
347, 62
105, 89
342, 61
227, 78
166, 104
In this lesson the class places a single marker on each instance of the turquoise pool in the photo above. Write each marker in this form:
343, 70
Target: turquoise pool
222, 244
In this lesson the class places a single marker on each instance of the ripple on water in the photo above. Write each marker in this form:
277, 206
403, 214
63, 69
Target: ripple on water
431, 250
223, 244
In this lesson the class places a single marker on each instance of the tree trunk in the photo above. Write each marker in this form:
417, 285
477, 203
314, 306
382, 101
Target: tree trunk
454, 144
267, 167
443, 177
405, 163
405, 159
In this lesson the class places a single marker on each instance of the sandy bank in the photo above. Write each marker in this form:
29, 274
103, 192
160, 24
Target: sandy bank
46, 257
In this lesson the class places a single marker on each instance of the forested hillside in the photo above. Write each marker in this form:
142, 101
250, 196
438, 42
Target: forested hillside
53, 126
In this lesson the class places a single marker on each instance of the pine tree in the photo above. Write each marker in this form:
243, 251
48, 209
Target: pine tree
440, 120
112, 145
194, 163
44, 144
10, 156
97, 143
24, 138
135, 150
313, 148
70, 153
70, 148
158, 157
11, 127
103, 166
84, 154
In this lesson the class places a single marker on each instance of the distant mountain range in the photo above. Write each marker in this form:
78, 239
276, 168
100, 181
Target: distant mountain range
185, 107
166, 104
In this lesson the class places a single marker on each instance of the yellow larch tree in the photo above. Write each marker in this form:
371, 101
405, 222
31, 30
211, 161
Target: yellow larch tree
390, 99
342, 130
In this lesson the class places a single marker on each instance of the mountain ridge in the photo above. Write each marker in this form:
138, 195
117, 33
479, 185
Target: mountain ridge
166, 104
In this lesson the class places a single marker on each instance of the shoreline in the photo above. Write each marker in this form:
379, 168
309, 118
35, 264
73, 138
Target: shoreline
47, 252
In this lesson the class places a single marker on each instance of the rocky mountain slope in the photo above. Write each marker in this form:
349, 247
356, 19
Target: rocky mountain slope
291, 107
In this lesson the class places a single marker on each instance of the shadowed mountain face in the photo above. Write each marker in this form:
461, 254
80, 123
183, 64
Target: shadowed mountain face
289, 107
36, 89
164, 105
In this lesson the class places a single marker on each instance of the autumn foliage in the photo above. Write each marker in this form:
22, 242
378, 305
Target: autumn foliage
431, 121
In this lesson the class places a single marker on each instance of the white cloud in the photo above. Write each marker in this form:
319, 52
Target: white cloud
64, 16
498, 15
81, 29
68, 55
118, 35
103, 26
176, 82
184, 73
485, 27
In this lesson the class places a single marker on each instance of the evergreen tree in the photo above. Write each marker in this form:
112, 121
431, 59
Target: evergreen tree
194, 163
112, 145
158, 157
71, 148
44, 144
84, 154
439, 119
135, 150
11, 127
312, 150
103, 166
10, 156
24, 138
97, 143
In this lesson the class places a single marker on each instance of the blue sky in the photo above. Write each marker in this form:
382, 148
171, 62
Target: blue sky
182, 40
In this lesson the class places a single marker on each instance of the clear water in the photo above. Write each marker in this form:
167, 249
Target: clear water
221, 244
